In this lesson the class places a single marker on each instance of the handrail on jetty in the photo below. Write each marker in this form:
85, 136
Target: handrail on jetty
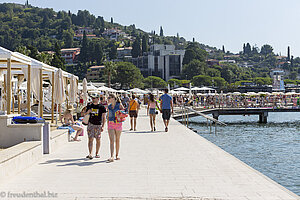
207, 117
185, 112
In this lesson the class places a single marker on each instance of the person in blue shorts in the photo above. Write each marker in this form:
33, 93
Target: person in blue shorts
166, 107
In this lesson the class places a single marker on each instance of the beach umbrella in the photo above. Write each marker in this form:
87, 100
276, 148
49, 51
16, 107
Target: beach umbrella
196, 88
137, 90
181, 89
236, 93
59, 90
59, 87
90, 86
111, 90
84, 90
103, 88
73, 89
122, 92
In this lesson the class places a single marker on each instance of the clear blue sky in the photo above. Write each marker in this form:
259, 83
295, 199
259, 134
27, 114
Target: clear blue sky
213, 22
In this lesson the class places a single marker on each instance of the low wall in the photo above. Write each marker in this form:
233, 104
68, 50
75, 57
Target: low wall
17, 158
12, 134
58, 138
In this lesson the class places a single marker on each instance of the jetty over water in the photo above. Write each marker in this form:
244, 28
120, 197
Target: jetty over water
178, 164
216, 112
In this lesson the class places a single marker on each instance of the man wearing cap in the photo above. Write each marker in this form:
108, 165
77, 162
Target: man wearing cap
96, 123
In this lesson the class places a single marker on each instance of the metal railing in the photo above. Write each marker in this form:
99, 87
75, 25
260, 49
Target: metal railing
185, 111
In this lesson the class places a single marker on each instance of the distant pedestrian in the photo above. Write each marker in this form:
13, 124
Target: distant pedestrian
133, 112
96, 123
166, 107
151, 111
114, 127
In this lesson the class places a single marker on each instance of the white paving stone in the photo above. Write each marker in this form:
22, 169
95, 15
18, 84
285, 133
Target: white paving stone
176, 165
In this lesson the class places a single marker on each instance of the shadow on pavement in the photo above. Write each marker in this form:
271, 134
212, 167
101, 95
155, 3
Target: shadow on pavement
71, 162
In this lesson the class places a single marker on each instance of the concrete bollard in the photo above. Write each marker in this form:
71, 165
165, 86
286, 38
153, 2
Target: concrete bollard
46, 138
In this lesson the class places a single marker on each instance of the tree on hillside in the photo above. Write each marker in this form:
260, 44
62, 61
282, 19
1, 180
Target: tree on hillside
213, 72
68, 39
145, 43
109, 71
288, 54
57, 60
161, 32
33, 52
136, 48
195, 67
219, 82
223, 49
154, 82
23, 50
83, 57
111, 20
98, 54
113, 53
202, 80
193, 51
266, 50
174, 82
128, 75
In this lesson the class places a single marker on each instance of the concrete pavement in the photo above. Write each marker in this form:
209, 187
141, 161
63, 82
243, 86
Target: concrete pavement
176, 165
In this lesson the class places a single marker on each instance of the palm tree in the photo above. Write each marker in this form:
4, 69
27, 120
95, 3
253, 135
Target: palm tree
110, 70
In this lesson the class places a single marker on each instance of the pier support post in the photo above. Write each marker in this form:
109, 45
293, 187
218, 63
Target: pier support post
215, 115
263, 118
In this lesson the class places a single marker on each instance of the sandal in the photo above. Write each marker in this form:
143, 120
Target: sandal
97, 156
110, 160
90, 157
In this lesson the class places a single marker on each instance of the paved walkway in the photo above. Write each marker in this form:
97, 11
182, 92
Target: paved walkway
175, 165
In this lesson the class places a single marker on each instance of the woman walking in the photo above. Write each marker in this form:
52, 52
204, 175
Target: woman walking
114, 127
133, 112
151, 111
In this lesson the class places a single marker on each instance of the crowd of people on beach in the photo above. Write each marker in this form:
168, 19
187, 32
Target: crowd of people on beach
111, 111
262, 100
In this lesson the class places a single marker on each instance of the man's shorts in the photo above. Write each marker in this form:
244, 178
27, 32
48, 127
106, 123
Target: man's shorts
114, 126
94, 131
133, 113
166, 114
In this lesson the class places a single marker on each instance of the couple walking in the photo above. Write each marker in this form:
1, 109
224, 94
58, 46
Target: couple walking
97, 120
166, 108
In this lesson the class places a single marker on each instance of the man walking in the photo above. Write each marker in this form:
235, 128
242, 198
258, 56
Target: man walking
166, 105
96, 124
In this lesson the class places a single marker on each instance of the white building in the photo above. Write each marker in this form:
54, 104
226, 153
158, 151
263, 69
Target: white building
163, 61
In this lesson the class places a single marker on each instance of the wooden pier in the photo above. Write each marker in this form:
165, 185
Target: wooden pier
261, 112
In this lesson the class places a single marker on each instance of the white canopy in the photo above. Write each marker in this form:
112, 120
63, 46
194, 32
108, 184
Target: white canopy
90, 86
103, 88
181, 89
207, 88
137, 90
123, 92
196, 88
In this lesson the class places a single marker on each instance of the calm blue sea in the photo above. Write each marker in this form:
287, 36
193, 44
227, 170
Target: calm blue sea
272, 148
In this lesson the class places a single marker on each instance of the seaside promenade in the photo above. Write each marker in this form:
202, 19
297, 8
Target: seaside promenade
176, 165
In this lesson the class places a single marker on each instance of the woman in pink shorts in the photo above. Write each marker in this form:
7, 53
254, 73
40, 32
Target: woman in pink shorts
114, 127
